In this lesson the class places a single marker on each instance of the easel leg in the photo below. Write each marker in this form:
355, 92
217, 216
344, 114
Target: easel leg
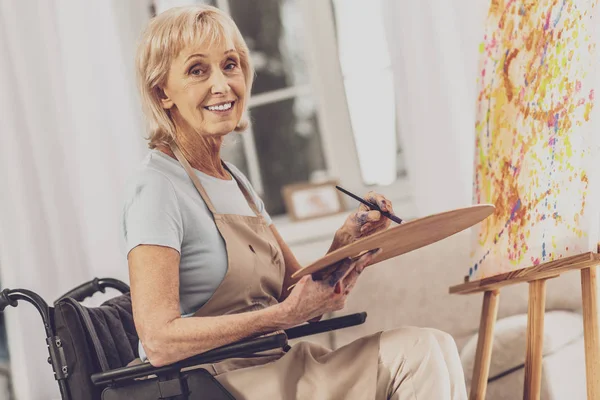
535, 339
589, 293
483, 355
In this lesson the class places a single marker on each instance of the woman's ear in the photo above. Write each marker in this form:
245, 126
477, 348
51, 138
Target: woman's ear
165, 100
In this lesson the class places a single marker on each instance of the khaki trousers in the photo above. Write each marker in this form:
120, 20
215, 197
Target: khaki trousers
419, 364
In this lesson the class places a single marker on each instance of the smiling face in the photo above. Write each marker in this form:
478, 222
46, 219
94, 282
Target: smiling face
206, 89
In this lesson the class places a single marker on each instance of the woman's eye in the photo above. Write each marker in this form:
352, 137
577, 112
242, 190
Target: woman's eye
230, 66
196, 71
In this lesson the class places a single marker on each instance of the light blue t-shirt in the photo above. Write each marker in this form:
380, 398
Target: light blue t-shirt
163, 207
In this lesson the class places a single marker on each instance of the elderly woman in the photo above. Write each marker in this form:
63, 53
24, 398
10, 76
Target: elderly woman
208, 268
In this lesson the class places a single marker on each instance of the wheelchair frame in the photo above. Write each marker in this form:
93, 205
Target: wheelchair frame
243, 348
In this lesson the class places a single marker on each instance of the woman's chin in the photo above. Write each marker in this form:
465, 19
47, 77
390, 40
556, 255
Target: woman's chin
220, 128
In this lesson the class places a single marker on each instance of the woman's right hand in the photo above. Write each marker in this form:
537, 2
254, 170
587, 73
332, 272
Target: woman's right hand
311, 298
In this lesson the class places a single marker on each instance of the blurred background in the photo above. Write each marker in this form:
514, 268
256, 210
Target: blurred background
376, 95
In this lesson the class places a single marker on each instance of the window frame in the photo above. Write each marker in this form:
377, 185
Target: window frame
326, 78
326, 85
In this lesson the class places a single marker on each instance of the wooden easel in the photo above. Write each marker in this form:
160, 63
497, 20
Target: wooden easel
536, 276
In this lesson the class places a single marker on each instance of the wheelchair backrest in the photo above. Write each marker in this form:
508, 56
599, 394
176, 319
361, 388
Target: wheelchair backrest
94, 339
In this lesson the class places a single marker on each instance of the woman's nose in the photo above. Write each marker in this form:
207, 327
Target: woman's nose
219, 83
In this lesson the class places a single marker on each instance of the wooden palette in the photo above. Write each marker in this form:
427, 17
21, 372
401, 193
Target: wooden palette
406, 237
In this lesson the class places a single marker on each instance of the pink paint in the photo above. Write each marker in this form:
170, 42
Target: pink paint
592, 94
483, 72
552, 140
551, 122
522, 94
578, 86
491, 44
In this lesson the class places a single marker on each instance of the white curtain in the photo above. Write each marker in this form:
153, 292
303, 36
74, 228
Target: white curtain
434, 50
70, 132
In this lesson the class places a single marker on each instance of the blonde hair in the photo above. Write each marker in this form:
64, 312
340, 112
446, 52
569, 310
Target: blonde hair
164, 38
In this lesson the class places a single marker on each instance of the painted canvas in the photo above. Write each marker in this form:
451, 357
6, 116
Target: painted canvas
537, 134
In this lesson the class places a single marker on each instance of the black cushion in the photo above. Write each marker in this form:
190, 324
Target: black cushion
113, 325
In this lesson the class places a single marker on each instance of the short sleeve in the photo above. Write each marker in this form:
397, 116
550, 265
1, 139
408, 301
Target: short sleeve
151, 213
260, 205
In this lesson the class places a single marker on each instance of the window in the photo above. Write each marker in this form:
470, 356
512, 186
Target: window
284, 121
368, 80
307, 80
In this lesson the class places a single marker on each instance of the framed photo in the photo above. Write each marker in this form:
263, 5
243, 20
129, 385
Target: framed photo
312, 200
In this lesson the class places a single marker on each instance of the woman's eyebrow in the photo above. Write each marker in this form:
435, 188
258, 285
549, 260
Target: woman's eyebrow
195, 55
204, 55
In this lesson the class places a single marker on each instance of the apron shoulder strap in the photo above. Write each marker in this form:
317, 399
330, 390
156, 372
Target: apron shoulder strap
188, 168
242, 187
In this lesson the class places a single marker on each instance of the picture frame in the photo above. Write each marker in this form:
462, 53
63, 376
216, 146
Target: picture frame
312, 200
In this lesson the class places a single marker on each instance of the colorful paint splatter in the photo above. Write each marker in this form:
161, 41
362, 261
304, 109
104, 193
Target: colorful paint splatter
536, 148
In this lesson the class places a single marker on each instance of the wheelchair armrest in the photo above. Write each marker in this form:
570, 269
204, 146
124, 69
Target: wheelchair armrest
88, 289
238, 349
326, 326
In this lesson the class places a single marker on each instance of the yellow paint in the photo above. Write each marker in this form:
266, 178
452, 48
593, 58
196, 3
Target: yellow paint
479, 127
588, 109
568, 146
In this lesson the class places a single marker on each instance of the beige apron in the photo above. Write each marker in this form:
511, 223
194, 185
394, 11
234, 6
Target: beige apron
254, 281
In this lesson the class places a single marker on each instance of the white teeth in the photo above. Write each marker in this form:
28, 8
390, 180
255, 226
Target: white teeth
221, 107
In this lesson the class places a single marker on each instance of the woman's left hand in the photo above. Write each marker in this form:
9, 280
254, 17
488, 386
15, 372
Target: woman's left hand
364, 222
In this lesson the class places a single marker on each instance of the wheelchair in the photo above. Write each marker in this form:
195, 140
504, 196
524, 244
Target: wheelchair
90, 347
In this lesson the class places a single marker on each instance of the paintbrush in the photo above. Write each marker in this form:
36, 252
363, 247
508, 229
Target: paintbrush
372, 206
